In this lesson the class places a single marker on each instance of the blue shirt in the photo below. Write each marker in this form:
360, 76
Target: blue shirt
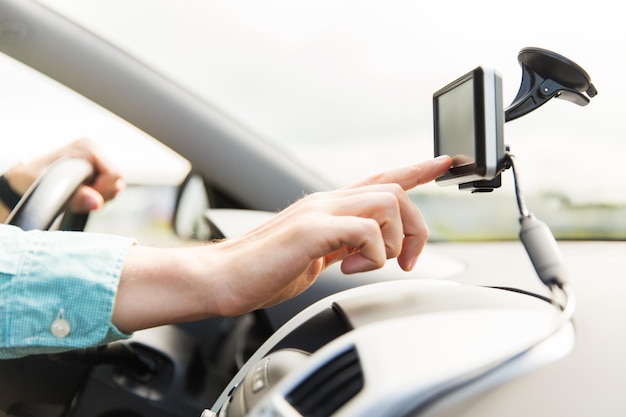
57, 290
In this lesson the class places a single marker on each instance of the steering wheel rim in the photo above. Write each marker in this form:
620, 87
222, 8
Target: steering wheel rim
49, 196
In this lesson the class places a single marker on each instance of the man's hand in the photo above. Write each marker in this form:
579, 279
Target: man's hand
107, 182
360, 226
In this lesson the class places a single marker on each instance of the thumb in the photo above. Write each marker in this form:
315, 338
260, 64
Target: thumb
86, 199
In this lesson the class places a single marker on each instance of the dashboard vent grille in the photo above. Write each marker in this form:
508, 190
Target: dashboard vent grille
330, 387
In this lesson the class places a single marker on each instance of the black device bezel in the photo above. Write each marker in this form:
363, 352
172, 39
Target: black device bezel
489, 152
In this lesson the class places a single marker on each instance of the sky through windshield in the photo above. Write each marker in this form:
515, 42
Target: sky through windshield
346, 86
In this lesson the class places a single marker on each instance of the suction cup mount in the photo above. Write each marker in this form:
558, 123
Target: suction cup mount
546, 74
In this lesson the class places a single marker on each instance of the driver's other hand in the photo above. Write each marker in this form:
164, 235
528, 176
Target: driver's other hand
107, 183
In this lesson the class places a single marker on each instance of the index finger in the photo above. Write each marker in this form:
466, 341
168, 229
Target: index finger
411, 176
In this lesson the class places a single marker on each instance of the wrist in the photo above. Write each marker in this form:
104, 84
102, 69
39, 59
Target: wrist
210, 270
21, 177
8, 195
219, 273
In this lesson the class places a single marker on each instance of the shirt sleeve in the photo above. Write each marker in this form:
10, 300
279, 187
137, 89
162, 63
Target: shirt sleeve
57, 290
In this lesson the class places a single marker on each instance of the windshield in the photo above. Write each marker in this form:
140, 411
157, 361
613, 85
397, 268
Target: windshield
346, 88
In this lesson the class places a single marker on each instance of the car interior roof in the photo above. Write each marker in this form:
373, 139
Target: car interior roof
103, 73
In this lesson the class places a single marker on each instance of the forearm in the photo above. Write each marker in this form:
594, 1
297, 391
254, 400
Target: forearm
162, 286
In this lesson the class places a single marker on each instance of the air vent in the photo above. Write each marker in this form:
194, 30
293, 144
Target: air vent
330, 387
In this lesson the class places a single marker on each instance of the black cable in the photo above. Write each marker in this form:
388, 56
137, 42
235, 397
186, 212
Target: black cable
521, 204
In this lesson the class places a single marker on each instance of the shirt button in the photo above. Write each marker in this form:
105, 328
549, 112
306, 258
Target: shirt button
60, 327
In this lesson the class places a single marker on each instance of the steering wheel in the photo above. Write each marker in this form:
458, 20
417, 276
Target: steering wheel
48, 197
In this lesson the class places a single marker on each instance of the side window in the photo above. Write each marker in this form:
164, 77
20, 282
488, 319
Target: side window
40, 115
